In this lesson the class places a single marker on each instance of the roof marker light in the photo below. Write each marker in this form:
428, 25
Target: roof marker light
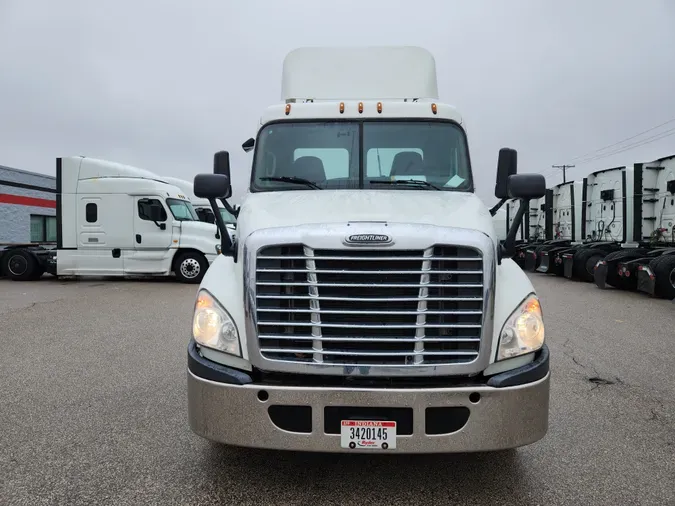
360, 107
379, 107
342, 107
288, 109
434, 109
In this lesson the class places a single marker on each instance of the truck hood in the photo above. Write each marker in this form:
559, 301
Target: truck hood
290, 208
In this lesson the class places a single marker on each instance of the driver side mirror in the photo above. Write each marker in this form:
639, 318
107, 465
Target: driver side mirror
221, 165
155, 212
507, 166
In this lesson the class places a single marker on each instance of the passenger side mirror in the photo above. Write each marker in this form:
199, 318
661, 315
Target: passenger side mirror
507, 165
211, 186
526, 186
221, 165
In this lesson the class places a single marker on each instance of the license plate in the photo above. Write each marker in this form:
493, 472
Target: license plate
368, 435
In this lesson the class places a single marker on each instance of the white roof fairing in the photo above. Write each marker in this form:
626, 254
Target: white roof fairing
359, 73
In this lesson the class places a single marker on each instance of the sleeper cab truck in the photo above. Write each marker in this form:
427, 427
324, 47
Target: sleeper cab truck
367, 304
648, 262
119, 220
566, 230
202, 206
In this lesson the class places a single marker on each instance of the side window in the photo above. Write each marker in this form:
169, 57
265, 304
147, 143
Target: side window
335, 160
50, 229
42, 228
91, 212
144, 209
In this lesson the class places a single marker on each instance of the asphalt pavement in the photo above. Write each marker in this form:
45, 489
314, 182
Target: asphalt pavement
93, 411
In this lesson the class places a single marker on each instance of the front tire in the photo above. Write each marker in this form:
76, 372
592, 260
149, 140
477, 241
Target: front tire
190, 267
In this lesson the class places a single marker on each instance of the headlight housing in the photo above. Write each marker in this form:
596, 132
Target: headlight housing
523, 331
213, 327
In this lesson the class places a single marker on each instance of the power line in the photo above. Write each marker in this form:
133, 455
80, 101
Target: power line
564, 168
647, 140
597, 151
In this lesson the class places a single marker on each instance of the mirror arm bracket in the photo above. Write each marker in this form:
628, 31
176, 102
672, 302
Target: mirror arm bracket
226, 245
496, 207
229, 208
507, 247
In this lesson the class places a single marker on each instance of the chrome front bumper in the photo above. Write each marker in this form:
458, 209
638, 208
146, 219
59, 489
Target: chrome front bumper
504, 417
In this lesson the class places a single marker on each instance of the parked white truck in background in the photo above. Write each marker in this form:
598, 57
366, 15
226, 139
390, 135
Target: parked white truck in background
366, 304
117, 220
203, 206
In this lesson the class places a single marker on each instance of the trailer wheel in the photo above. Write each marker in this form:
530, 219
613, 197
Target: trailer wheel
20, 265
664, 271
190, 267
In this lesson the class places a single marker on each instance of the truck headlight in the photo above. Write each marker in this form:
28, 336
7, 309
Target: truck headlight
523, 331
213, 327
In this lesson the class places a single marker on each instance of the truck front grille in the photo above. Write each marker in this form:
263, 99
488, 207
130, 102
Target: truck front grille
369, 307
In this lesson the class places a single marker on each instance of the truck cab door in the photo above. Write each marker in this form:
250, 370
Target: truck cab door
152, 239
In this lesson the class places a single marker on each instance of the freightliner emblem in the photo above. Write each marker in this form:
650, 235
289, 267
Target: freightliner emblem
367, 239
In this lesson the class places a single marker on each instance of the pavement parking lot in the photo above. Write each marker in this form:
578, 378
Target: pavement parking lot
93, 411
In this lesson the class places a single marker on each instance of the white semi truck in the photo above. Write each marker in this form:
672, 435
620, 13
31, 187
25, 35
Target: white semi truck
566, 212
117, 220
646, 261
366, 304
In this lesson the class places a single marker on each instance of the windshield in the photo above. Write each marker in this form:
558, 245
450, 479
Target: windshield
182, 210
206, 214
330, 155
227, 217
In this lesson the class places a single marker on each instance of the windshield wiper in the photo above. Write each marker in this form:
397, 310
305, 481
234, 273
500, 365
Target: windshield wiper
414, 182
293, 179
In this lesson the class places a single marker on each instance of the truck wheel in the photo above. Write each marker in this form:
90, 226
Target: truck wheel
615, 258
579, 262
664, 271
20, 265
190, 267
585, 261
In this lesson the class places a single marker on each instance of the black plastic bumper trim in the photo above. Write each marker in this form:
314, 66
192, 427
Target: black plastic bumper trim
529, 373
206, 369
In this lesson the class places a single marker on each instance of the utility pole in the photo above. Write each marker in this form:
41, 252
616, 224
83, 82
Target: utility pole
564, 168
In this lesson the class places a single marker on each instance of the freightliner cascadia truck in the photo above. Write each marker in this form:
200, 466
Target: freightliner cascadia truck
366, 304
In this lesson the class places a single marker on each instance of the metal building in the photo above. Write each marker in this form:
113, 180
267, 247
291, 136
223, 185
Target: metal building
27, 207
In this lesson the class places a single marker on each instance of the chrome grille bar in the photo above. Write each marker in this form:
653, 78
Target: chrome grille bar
371, 308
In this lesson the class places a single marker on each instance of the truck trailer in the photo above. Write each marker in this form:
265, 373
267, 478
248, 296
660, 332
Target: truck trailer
116, 220
366, 304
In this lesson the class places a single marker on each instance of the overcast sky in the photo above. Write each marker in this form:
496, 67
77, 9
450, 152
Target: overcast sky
163, 85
